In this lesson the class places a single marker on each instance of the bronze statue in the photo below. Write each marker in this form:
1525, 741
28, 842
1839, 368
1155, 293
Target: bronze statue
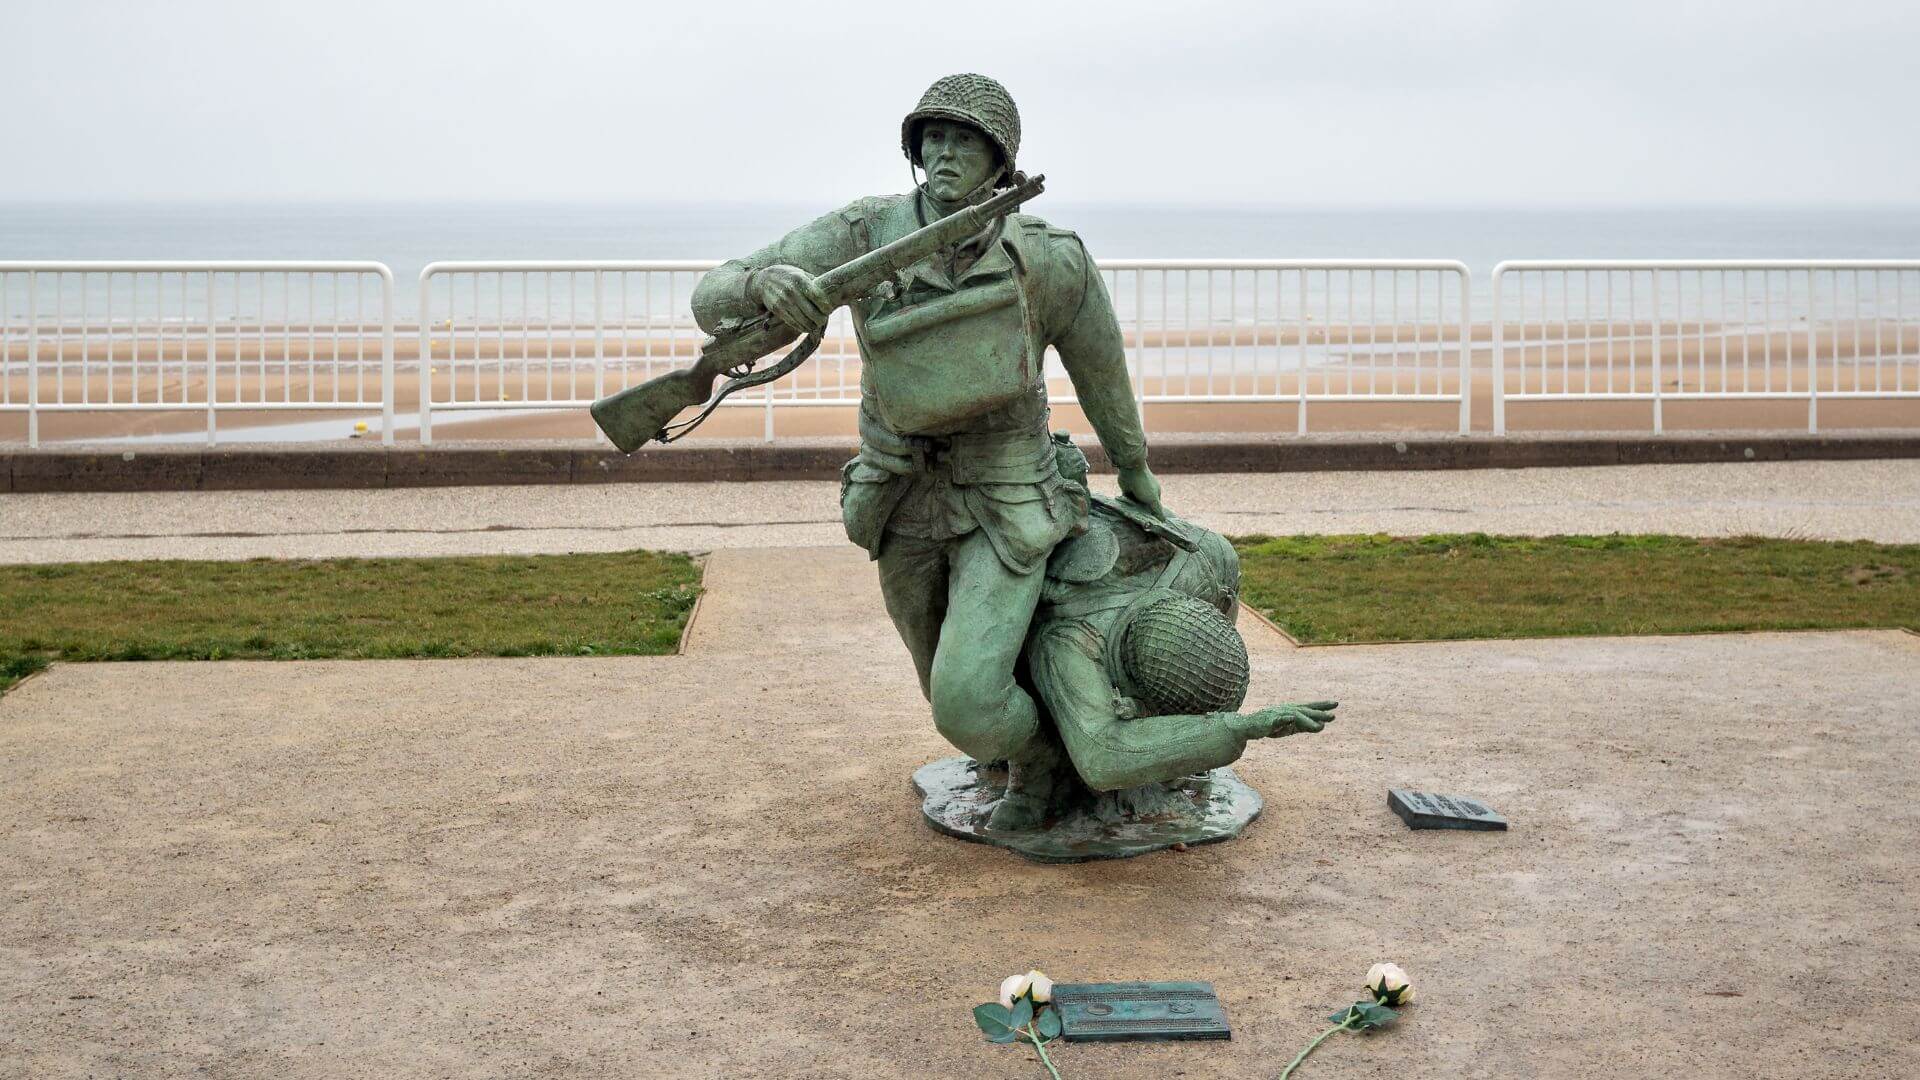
958, 491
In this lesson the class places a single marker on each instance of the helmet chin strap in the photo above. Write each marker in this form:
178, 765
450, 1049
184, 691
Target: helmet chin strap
984, 187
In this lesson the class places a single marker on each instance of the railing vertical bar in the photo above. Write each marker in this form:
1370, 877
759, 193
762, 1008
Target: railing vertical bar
1813, 356
1879, 356
1466, 345
360, 336
60, 338
1746, 331
1419, 330
1499, 334
1566, 332
212, 332
86, 350
312, 340
1140, 343
1659, 420
387, 388
1700, 321
33, 359
599, 345
1855, 286
1300, 411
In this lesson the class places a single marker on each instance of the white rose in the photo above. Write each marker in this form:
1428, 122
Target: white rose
1389, 985
1013, 987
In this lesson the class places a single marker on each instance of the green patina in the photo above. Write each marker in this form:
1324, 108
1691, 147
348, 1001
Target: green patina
958, 492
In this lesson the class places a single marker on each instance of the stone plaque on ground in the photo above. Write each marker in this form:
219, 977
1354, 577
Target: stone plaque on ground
1139, 1012
1425, 810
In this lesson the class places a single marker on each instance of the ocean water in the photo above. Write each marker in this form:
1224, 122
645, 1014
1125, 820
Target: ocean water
407, 237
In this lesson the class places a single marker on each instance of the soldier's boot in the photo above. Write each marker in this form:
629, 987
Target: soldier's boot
1034, 782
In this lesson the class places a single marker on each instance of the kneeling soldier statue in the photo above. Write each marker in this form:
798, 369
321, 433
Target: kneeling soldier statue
955, 491
958, 491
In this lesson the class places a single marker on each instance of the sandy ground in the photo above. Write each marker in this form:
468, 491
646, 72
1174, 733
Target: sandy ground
711, 864
1846, 500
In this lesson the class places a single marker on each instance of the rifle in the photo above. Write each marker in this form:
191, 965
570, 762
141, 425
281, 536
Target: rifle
642, 414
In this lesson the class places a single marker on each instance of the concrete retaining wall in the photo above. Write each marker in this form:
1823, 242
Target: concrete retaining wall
457, 464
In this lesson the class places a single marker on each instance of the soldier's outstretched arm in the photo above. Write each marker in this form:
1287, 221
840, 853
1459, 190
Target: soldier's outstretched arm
736, 290
1277, 721
1087, 335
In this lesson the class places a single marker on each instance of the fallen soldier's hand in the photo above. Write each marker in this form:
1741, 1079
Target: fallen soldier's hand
1279, 721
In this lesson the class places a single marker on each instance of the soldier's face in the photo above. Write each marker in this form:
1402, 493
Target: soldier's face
958, 158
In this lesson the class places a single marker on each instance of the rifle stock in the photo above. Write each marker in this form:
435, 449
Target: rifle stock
641, 414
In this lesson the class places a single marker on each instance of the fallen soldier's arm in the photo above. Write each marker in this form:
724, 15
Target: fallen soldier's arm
1111, 752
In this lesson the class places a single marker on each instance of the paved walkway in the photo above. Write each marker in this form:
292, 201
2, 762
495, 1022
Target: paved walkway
1873, 500
711, 865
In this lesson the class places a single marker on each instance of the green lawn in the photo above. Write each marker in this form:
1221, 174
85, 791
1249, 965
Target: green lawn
1320, 588
634, 602
1377, 588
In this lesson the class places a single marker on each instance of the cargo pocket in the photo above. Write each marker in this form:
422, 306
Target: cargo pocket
867, 498
1025, 521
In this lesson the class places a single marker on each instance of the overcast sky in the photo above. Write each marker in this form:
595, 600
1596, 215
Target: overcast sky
1318, 102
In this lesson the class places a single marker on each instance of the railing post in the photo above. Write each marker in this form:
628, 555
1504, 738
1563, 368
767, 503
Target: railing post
33, 360
1140, 342
211, 348
1466, 349
1813, 352
1658, 375
599, 344
1300, 409
425, 360
386, 357
1499, 355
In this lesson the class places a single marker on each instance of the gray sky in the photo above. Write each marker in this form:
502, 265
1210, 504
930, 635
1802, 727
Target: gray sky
1320, 102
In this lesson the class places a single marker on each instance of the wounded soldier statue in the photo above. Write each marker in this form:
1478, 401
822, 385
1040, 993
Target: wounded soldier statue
1079, 650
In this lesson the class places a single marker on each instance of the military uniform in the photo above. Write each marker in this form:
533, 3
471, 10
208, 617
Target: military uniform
955, 490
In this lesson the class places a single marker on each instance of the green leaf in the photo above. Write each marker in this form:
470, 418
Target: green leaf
1049, 1024
1372, 1016
995, 1021
1344, 1015
1022, 1013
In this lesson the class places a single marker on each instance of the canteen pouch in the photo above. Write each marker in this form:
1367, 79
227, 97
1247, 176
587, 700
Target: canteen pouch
933, 365
868, 496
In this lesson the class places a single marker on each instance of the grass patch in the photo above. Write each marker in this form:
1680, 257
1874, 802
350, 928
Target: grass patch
626, 603
1375, 588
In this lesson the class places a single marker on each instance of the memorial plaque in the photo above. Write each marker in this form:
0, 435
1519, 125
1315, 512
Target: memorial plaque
1425, 810
1139, 1012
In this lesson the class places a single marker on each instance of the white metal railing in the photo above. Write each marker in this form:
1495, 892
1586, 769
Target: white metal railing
298, 337
1295, 331
1705, 329
197, 336
521, 335
517, 335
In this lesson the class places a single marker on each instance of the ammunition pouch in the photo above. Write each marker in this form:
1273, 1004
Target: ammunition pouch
1010, 483
932, 366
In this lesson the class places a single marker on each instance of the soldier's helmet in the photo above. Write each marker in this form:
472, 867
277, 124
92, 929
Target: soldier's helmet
1177, 654
970, 99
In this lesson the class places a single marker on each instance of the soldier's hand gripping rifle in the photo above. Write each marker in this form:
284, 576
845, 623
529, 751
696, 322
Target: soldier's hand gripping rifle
640, 414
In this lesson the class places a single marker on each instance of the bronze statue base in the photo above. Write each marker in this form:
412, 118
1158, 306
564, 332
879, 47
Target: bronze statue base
959, 793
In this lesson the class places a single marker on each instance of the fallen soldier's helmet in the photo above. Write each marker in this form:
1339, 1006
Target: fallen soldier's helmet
1179, 655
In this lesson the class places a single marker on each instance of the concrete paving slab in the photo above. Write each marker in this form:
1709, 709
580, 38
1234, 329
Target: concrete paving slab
712, 864
1868, 500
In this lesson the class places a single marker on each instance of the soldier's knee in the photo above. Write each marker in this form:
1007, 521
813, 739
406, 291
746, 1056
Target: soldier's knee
982, 713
